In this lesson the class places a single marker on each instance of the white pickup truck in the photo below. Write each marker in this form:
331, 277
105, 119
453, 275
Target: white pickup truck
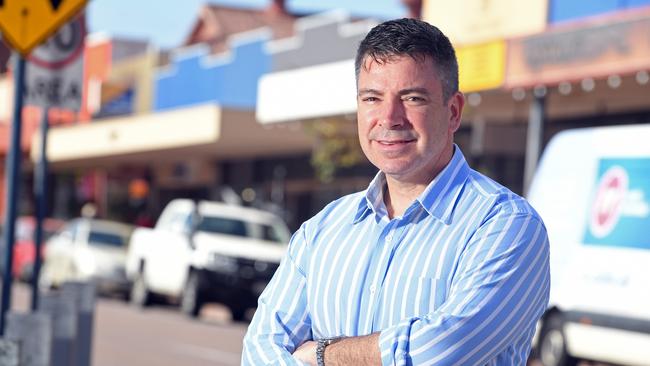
206, 251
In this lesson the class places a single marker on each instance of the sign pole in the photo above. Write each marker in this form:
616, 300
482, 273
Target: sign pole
40, 192
13, 173
24, 25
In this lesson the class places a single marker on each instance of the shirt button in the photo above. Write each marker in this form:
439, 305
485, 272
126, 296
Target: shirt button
389, 237
372, 289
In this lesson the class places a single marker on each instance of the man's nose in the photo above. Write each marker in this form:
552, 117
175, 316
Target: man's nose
393, 115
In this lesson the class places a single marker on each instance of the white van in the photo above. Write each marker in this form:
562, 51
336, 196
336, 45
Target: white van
592, 189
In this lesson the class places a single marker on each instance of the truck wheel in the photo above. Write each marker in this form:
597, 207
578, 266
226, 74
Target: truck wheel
140, 294
238, 313
552, 343
191, 300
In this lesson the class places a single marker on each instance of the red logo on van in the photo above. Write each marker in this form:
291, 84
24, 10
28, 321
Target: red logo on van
606, 210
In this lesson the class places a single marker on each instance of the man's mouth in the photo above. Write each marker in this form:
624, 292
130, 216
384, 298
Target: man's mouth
393, 142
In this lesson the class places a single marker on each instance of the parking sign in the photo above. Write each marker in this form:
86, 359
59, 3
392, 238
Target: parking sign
55, 69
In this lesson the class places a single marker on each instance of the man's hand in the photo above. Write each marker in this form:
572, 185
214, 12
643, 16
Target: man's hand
306, 353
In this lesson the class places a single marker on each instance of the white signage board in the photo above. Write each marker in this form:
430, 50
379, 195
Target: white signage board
54, 75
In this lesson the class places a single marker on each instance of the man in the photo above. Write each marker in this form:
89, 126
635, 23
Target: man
434, 264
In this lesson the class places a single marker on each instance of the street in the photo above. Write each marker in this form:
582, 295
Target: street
163, 336
160, 335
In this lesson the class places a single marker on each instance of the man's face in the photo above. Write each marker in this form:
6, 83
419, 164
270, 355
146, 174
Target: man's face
405, 127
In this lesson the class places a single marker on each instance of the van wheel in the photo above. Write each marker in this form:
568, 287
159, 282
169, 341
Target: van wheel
552, 343
191, 300
140, 294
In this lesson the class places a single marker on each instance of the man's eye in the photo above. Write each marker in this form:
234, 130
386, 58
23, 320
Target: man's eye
370, 99
414, 99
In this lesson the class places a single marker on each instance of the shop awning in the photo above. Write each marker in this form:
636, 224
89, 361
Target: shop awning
205, 130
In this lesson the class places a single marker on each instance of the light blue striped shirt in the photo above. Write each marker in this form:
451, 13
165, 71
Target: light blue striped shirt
460, 279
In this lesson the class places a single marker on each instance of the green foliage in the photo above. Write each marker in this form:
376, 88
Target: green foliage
337, 146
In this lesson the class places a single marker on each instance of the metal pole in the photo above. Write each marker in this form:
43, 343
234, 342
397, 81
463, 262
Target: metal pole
12, 173
534, 138
40, 192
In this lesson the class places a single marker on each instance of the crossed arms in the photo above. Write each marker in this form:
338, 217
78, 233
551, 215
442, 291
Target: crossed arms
498, 292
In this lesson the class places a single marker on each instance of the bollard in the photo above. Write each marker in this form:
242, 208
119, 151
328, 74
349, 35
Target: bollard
84, 295
9, 352
63, 311
34, 332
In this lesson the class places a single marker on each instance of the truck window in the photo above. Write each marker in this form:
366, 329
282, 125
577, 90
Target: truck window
220, 225
180, 222
271, 233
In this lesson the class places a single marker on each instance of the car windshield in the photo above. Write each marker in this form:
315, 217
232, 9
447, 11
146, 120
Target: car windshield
25, 230
220, 225
108, 239
27, 234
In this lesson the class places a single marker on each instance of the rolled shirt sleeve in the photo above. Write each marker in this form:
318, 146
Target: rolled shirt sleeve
281, 322
496, 295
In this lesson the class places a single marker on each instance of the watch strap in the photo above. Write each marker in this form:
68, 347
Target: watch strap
321, 344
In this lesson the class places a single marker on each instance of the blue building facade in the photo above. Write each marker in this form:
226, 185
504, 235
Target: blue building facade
229, 79
563, 10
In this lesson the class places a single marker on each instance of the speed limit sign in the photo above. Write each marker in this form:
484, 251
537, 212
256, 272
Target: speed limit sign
55, 69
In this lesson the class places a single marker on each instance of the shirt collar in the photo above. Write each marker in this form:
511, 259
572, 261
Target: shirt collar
438, 198
373, 199
441, 195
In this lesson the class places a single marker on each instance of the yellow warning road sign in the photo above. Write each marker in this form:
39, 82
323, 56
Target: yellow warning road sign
27, 23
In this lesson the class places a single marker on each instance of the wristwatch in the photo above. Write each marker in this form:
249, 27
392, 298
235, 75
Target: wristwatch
321, 344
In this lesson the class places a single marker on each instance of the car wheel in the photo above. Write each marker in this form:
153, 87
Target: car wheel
140, 294
191, 299
552, 345
26, 272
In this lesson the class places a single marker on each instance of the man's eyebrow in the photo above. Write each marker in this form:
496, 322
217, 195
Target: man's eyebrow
369, 91
414, 91
423, 91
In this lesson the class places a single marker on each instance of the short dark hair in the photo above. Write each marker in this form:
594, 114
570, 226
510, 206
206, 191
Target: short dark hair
414, 38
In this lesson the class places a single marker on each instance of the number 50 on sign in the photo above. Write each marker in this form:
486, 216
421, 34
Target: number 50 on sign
27, 23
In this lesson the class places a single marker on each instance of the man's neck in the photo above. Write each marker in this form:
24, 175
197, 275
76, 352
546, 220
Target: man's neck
401, 191
398, 196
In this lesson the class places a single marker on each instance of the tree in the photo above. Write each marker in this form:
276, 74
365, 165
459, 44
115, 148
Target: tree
337, 146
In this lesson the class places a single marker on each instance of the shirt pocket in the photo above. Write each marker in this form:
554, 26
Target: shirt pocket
429, 295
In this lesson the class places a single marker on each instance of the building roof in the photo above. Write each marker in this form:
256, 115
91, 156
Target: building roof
216, 23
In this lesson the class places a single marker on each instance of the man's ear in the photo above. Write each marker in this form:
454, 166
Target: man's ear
455, 104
